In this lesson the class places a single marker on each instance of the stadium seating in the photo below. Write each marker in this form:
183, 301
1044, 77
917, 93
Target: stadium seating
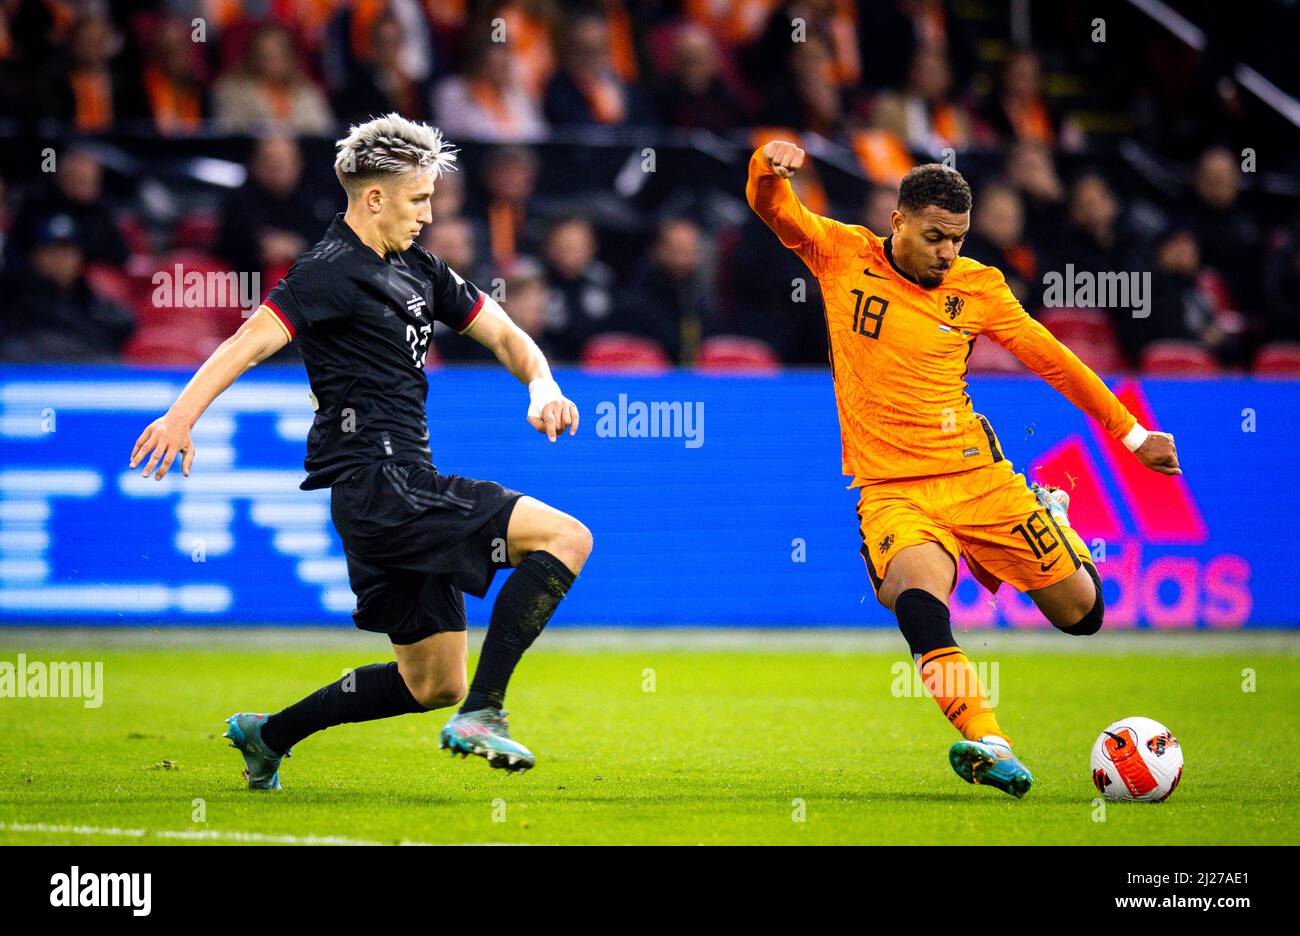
1088, 333
111, 283
618, 351
1178, 358
198, 230
736, 354
1278, 359
170, 345
217, 319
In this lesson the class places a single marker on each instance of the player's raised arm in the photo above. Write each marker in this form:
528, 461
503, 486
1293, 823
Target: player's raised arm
773, 199
1011, 326
549, 411
169, 435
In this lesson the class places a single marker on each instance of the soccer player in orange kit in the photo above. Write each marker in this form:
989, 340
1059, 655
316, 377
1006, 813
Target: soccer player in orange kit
902, 316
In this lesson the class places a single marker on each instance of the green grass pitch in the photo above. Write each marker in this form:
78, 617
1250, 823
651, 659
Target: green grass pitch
799, 738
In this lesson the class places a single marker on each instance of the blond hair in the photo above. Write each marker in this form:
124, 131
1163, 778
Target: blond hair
390, 145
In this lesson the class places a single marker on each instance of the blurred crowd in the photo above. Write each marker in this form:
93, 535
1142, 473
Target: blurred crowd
888, 84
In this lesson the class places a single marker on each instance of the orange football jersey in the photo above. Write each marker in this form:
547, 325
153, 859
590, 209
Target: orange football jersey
899, 351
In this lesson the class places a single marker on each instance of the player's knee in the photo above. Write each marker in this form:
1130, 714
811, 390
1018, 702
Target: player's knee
435, 694
1091, 622
571, 543
887, 594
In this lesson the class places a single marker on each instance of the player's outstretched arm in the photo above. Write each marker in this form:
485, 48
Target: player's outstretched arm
1011, 326
549, 411
773, 199
169, 435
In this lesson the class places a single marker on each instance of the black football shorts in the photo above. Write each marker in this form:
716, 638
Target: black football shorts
415, 540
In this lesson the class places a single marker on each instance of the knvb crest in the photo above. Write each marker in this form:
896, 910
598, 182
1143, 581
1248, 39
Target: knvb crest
953, 306
886, 543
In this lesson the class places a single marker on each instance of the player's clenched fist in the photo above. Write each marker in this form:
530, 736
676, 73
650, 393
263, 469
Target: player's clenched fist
161, 443
785, 158
1158, 453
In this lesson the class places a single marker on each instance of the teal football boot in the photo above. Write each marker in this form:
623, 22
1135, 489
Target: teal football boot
484, 733
990, 762
261, 764
1054, 500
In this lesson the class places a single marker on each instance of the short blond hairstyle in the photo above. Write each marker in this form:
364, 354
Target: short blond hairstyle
387, 146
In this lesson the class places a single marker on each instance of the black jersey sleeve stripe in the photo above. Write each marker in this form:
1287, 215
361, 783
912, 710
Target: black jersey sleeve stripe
473, 314
284, 319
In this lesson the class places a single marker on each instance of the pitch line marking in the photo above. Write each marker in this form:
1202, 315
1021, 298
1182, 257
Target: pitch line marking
199, 835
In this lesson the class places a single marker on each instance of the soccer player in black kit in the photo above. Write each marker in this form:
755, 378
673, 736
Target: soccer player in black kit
361, 305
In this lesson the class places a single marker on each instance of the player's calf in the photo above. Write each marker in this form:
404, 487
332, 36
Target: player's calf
1070, 616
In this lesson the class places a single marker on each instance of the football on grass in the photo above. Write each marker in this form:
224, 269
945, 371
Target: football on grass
1137, 759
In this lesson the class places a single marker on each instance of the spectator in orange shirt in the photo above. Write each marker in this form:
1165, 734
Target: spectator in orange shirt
924, 115
490, 101
586, 89
1018, 111
384, 84
804, 95
173, 91
82, 87
268, 90
510, 185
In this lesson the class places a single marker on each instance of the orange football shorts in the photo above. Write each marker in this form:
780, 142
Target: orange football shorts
987, 516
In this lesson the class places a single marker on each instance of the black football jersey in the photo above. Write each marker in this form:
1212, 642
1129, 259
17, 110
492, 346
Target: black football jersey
363, 323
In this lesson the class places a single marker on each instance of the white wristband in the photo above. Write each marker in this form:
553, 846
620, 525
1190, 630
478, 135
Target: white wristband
541, 391
1136, 436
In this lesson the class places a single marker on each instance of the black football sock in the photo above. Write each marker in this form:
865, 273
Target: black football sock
924, 620
526, 602
367, 693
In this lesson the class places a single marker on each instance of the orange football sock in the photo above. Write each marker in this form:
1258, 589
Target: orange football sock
955, 685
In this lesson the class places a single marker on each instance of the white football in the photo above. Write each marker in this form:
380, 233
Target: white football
1137, 759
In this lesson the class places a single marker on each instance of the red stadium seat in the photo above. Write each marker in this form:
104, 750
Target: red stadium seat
111, 283
989, 357
1178, 358
197, 231
222, 319
169, 345
620, 352
735, 354
1088, 333
134, 232
1279, 359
